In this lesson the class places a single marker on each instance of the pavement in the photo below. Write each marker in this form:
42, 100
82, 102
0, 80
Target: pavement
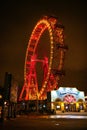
60, 114
61, 121
45, 115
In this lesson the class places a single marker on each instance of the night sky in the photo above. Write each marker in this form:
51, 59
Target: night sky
17, 20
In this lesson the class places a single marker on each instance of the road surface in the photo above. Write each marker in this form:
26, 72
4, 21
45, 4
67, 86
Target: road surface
45, 122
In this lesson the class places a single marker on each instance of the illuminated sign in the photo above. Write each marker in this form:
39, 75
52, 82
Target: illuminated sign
67, 93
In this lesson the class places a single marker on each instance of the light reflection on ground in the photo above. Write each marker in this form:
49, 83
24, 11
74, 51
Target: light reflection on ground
69, 116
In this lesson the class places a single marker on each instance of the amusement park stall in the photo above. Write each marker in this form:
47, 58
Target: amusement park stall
67, 99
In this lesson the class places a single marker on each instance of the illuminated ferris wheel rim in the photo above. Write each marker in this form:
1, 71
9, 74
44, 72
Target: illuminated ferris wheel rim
43, 24
56, 36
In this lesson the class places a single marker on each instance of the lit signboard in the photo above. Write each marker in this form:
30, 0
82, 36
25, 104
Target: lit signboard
67, 94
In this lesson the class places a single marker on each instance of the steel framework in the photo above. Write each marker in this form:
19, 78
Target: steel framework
53, 67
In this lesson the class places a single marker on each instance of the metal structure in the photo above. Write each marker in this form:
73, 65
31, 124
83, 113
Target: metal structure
52, 66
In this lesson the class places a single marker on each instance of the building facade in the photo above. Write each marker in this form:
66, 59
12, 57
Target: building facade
67, 99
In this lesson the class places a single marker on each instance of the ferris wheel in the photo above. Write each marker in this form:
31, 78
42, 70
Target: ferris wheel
52, 65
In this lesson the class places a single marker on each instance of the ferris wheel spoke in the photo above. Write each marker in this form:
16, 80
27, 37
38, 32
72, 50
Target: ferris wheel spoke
52, 67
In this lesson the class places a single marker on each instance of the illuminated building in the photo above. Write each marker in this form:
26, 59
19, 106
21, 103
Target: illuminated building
67, 99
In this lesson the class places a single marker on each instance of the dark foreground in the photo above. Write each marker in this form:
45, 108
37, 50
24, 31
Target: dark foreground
43, 123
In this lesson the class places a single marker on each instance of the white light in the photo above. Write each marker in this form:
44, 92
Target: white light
5, 103
56, 124
44, 106
57, 106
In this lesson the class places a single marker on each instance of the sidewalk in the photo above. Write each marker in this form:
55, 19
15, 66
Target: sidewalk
38, 115
72, 113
